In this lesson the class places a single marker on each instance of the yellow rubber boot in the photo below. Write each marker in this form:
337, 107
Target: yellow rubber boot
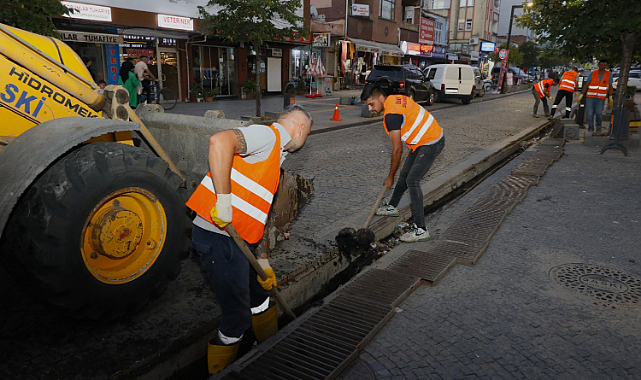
219, 356
265, 324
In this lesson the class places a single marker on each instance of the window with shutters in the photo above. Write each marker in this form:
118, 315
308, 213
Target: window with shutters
386, 9
468, 24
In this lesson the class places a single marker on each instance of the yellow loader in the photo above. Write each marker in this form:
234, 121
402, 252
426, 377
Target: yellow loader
92, 214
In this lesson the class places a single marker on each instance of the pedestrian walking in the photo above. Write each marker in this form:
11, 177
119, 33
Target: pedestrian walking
244, 173
569, 82
541, 92
598, 87
407, 122
129, 80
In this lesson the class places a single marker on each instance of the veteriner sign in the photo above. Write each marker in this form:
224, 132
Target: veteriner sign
95, 38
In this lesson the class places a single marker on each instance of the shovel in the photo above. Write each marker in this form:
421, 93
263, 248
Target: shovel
254, 263
349, 240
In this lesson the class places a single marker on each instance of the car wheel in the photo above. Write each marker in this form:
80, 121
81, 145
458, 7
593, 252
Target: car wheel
411, 94
430, 97
466, 100
438, 96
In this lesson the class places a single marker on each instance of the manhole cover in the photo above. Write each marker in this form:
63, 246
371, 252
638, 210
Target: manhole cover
610, 287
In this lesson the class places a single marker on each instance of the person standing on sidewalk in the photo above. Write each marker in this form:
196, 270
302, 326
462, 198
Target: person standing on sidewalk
541, 91
569, 82
406, 121
244, 172
145, 76
598, 87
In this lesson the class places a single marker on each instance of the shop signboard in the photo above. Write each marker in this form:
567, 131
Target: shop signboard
320, 39
360, 10
277, 52
94, 38
88, 11
426, 31
488, 46
113, 63
427, 50
439, 51
175, 22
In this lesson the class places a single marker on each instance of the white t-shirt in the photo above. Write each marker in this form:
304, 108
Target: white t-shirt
140, 68
260, 141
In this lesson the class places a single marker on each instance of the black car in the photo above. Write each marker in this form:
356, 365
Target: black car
406, 80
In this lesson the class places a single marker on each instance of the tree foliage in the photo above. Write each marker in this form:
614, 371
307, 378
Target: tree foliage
253, 22
33, 15
585, 29
531, 52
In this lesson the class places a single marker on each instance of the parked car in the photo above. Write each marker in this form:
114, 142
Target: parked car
634, 79
403, 79
479, 88
452, 81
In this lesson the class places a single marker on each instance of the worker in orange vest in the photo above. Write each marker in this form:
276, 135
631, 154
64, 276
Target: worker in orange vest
541, 91
569, 83
244, 172
407, 122
598, 87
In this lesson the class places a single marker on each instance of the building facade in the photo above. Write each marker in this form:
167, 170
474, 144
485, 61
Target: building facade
109, 31
472, 22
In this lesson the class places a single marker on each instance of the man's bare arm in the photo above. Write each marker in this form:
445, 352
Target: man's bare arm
222, 147
397, 152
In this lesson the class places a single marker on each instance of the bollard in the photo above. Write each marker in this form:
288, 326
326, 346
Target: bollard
288, 99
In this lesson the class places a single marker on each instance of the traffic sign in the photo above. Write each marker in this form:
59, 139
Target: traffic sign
503, 54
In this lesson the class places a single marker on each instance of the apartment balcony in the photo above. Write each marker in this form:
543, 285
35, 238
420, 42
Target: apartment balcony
408, 26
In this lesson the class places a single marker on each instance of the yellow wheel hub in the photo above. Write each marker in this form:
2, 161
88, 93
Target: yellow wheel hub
124, 235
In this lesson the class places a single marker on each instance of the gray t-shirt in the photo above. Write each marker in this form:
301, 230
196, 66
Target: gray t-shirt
260, 141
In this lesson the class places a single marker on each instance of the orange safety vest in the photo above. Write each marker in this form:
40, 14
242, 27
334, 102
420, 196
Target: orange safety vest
419, 128
253, 186
540, 87
567, 81
598, 89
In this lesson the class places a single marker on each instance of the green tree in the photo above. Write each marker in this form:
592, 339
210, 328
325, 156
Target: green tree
33, 15
250, 22
582, 29
531, 52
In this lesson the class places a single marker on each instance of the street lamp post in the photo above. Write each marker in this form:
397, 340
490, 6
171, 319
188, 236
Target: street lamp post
504, 66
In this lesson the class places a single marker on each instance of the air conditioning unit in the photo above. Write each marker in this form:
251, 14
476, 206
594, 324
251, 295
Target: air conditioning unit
474, 41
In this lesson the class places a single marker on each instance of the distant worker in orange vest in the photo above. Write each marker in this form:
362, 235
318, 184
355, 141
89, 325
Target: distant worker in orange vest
407, 122
541, 91
598, 87
569, 83
244, 166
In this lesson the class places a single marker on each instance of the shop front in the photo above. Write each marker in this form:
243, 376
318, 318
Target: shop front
358, 56
214, 68
99, 48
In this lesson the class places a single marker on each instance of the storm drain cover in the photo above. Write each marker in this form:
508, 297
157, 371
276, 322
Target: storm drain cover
610, 287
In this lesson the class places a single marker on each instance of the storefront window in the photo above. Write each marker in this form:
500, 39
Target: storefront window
300, 61
215, 67
94, 53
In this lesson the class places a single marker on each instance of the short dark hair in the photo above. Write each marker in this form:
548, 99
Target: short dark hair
291, 108
100, 81
371, 90
603, 60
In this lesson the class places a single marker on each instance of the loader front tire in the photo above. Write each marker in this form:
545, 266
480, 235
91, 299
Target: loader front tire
101, 231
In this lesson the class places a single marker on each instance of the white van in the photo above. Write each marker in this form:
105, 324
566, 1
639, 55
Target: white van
451, 81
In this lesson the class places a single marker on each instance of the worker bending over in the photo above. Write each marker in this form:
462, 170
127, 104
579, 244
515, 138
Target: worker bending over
541, 91
244, 172
406, 121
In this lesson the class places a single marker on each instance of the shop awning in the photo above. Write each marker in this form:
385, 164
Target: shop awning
377, 47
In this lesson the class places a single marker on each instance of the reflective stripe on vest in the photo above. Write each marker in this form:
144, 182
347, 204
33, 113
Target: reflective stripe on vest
596, 88
419, 126
567, 82
540, 87
253, 186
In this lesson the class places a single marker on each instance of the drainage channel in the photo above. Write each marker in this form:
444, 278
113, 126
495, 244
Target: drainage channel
325, 340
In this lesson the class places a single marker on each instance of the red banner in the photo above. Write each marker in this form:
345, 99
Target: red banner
426, 32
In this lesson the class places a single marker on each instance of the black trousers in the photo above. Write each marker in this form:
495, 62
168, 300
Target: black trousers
568, 102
